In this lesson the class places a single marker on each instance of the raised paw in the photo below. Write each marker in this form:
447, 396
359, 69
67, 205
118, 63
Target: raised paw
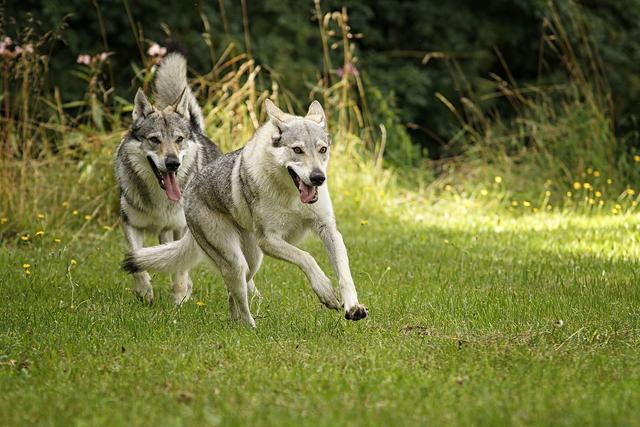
330, 301
356, 312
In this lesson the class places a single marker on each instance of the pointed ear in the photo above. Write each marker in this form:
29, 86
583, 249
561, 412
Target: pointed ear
141, 106
181, 106
316, 114
276, 115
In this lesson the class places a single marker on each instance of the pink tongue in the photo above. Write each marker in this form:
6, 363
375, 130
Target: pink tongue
307, 192
171, 187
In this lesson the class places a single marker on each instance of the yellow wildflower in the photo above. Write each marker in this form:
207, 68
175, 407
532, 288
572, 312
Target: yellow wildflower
40, 216
601, 202
106, 228
27, 273
636, 158
598, 194
514, 203
24, 238
73, 262
87, 217
483, 192
448, 187
609, 181
446, 242
364, 222
630, 191
200, 304
57, 241
40, 233
75, 213
592, 201
65, 204
577, 185
547, 193
497, 179
26, 266
4, 220
526, 204
587, 186
589, 171
596, 173
569, 194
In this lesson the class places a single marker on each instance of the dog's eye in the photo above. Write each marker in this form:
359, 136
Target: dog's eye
323, 150
297, 150
179, 139
155, 140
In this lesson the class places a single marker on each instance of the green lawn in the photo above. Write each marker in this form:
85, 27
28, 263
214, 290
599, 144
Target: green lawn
473, 320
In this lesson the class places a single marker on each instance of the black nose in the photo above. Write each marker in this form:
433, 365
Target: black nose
316, 177
172, 163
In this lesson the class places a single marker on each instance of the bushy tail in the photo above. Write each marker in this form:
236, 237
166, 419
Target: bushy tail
171, 80
173, 257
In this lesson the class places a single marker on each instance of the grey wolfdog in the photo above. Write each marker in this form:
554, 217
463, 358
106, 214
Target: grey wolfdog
159, 155
263, 197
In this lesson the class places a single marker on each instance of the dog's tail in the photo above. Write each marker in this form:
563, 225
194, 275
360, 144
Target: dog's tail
173, 257
171, 81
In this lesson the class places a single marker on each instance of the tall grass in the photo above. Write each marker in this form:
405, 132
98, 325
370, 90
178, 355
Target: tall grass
553, 133
537, 146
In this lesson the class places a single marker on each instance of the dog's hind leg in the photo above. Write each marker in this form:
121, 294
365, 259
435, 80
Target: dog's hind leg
142, 281
221, 242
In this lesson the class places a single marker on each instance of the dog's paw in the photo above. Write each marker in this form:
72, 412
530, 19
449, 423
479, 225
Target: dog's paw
181, 297
326, 294
331, 301
144, 295
356, 312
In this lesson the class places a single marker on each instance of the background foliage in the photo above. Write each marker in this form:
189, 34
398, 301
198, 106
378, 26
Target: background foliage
407, 50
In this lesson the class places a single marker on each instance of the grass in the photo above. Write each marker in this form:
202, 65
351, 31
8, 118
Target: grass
474, 319
502, 292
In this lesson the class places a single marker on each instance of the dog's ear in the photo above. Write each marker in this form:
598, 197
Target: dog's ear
141, 106
276, 115
181, 106
316, 114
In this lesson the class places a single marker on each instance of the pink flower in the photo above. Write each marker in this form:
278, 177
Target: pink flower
351, 69
103, 56
157, 50
7, 41
84, 59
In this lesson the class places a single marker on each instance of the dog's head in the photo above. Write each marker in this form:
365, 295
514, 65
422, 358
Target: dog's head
301, 146
164, 136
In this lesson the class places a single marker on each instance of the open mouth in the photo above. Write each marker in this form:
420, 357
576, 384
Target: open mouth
308, 193
167, 181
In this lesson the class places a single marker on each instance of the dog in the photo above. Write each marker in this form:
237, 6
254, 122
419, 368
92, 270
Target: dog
159, 155
260, 199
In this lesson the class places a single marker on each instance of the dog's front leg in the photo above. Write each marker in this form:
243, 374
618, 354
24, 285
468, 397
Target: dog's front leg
320, 283
337, 251
142, 281
181, 282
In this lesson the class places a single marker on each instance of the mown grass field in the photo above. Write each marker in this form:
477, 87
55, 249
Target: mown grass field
474, 319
